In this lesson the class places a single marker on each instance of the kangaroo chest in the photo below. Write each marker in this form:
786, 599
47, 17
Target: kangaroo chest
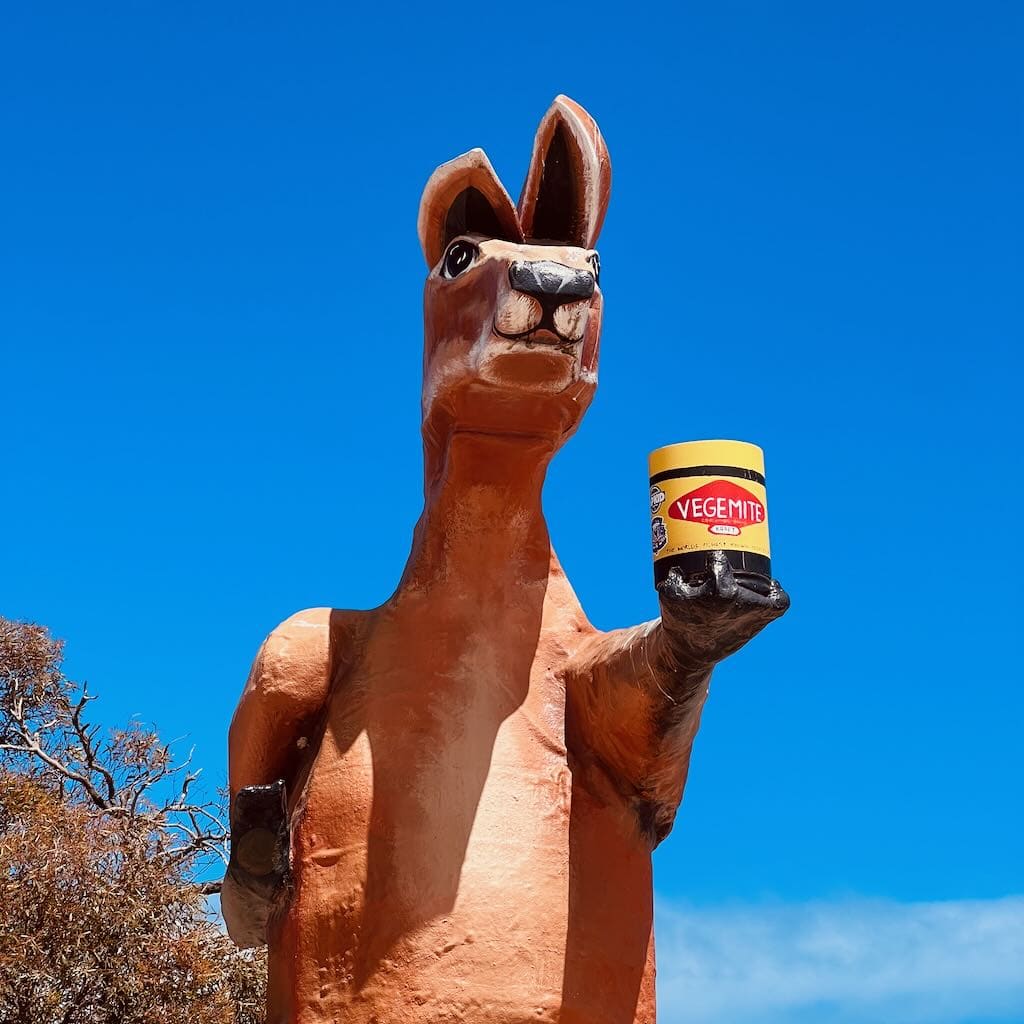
443, 721
435, 824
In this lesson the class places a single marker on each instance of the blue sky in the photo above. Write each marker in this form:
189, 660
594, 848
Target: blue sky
210, 331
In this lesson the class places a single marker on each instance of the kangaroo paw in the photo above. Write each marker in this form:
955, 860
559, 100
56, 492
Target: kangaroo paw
709, 617
260, 866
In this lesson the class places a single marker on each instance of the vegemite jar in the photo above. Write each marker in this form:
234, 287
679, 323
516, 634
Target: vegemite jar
710, 496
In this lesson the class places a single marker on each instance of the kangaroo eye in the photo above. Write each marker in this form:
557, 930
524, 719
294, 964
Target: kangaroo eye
595, 262
460, 256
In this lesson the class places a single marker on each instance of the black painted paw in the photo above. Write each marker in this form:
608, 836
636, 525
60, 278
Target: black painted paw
259, 832
712, 615
260, 866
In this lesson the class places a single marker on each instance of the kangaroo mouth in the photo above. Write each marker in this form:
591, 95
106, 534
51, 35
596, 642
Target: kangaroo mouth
548, 320
537, 336
543, 332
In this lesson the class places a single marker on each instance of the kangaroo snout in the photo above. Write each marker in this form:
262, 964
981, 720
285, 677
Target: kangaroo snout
553, 284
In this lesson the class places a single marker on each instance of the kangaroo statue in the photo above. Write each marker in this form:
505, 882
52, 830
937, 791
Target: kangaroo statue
443, 809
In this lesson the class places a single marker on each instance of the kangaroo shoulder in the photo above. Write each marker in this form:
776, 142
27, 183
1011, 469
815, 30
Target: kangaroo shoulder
296, 661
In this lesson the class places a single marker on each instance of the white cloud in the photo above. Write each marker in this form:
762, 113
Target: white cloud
851, 962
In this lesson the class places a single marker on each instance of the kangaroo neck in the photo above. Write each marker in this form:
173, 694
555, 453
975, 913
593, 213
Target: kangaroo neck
482, 528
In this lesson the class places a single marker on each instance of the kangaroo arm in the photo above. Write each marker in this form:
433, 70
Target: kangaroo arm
278, 718
634, 704
283, 700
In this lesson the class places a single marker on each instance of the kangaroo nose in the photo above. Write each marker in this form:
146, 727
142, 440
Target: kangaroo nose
552, 283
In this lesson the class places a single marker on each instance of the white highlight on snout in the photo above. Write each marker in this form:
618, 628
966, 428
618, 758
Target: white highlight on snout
518, 313
571, 320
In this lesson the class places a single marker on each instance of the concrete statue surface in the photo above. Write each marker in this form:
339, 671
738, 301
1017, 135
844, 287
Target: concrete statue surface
443, 809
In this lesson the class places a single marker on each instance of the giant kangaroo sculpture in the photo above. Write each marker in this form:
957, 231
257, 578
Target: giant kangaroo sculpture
444, 809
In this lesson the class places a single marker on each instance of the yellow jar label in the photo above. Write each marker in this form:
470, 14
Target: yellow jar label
708, 496
708, 514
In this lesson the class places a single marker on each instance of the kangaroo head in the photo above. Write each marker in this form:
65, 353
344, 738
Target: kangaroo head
512, 304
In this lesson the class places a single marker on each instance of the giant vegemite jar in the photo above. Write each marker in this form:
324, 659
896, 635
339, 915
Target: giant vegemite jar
710, 496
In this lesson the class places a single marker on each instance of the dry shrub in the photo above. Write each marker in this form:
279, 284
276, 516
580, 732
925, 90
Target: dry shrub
102, 916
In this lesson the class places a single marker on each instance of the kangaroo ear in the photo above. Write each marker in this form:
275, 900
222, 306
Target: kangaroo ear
570, 178
463, 196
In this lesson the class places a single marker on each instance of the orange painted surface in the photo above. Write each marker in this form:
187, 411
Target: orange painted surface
471, 765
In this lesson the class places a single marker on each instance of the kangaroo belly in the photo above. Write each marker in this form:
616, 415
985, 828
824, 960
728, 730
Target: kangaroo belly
423, 870
524, 924
447, 865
